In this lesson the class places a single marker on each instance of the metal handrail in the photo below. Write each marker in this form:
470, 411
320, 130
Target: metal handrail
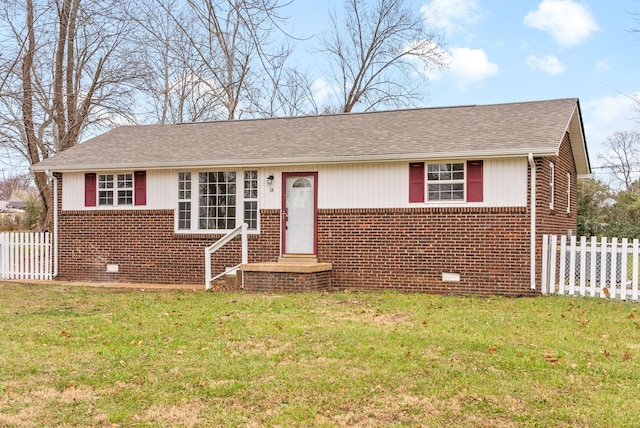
240, 230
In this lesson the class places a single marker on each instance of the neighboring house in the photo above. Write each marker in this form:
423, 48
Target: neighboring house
8, 216
434, 199
11, 212
19, 198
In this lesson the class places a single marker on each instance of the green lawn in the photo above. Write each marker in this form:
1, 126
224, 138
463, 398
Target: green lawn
76, 356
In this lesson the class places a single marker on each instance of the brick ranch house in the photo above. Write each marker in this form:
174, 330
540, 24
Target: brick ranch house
440, 200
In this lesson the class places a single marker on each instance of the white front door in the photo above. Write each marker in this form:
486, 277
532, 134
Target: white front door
299, 220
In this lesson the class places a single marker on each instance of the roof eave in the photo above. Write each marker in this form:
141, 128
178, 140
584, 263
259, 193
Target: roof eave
574, 127
231, 163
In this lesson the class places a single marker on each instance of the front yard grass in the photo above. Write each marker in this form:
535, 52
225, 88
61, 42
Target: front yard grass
79, 356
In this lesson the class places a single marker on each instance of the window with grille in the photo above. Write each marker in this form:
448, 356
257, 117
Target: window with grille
184, 200
251, 199
115, 187
217, 200
445, 181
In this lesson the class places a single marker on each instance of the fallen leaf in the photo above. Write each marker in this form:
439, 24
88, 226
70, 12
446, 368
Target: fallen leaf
551, 359
492, 349
626, 356
179, 352
66, 333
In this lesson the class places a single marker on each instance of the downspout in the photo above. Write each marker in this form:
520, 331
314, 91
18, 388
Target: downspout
532, 164
54, 179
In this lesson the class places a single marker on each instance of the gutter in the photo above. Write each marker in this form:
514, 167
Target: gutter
276, 162
532, 164
53, 179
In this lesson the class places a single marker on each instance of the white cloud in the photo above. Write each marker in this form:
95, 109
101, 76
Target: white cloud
470, 66
604, 116
548, 63
451, 15
567, 21
321, 90
466, 67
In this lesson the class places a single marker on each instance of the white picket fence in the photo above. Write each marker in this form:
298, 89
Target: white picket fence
26, 255
604, 267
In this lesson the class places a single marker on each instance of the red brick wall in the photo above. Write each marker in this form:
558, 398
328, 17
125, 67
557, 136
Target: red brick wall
287, 281
409, 249
145, 248
488, 247
555, 221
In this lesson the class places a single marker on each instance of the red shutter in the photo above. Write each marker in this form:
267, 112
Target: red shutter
416, 182
474, 181
90, 189
140, 187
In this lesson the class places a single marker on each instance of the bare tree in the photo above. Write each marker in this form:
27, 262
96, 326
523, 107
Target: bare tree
376, 51
622, 158
173, 86
288, 92
65, 71
220, 59
11, 183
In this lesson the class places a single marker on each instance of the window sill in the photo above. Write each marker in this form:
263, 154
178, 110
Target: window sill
211, 232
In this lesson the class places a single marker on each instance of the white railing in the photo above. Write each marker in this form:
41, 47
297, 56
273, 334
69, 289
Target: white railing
240, 230
604, 267
26, 255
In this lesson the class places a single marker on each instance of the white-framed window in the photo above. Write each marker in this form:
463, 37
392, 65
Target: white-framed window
219, 200
184, 200
115, 189
445, 181
552, 184
251, 199
568, 192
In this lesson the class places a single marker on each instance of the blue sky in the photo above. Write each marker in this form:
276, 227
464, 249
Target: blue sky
519, 50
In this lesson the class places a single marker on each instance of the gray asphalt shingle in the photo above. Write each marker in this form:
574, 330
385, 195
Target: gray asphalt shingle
426, 133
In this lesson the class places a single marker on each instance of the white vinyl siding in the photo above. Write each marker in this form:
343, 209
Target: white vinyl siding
385, 185
371, 185
158, 184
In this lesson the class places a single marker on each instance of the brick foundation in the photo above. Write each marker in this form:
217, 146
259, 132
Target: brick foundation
287, 281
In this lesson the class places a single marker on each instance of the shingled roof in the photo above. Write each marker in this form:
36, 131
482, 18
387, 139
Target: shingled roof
485, 131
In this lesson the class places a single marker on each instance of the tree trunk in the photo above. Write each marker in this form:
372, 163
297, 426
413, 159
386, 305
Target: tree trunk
27, 109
